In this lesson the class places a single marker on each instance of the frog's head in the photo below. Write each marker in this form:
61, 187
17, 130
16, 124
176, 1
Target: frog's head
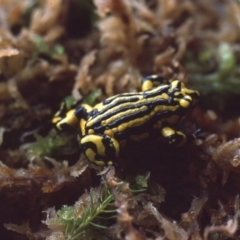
186, 98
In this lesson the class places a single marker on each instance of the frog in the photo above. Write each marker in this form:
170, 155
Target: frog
106, 127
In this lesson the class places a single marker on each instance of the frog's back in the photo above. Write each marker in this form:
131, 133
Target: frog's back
128, 113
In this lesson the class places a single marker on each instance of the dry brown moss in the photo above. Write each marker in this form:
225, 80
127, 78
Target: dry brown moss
192, 192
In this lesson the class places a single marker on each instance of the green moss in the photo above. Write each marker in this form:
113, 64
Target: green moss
213, 70
90, 215
41, 47
51, 144
91, 98
96, 210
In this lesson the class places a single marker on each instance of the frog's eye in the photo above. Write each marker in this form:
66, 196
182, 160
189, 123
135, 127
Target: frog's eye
185, 102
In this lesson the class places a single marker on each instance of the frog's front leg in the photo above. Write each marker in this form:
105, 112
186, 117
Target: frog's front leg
177, 138
67, 118
100, 150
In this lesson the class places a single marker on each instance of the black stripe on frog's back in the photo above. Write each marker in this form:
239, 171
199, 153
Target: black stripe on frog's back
104, 119
156, 91
139, 112
125, 111
133, 116
124, 117
146, 128
122, 97
118, 103
122, 108
129, 99
106, 111
133, 97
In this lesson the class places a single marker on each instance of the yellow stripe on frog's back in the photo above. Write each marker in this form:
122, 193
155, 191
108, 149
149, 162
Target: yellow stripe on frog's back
111, 110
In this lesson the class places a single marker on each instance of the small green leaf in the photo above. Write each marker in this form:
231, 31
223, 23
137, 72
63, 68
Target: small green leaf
70, 102
58, 50
66, 213
92, 97
142, 180
53, 143
42, 47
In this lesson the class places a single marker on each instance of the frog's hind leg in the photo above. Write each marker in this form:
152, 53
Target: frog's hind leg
100, 150
152, 81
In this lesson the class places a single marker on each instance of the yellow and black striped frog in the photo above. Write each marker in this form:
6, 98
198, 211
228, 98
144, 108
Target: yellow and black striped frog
130, 116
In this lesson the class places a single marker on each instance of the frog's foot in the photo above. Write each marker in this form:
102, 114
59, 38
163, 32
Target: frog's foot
178, 138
